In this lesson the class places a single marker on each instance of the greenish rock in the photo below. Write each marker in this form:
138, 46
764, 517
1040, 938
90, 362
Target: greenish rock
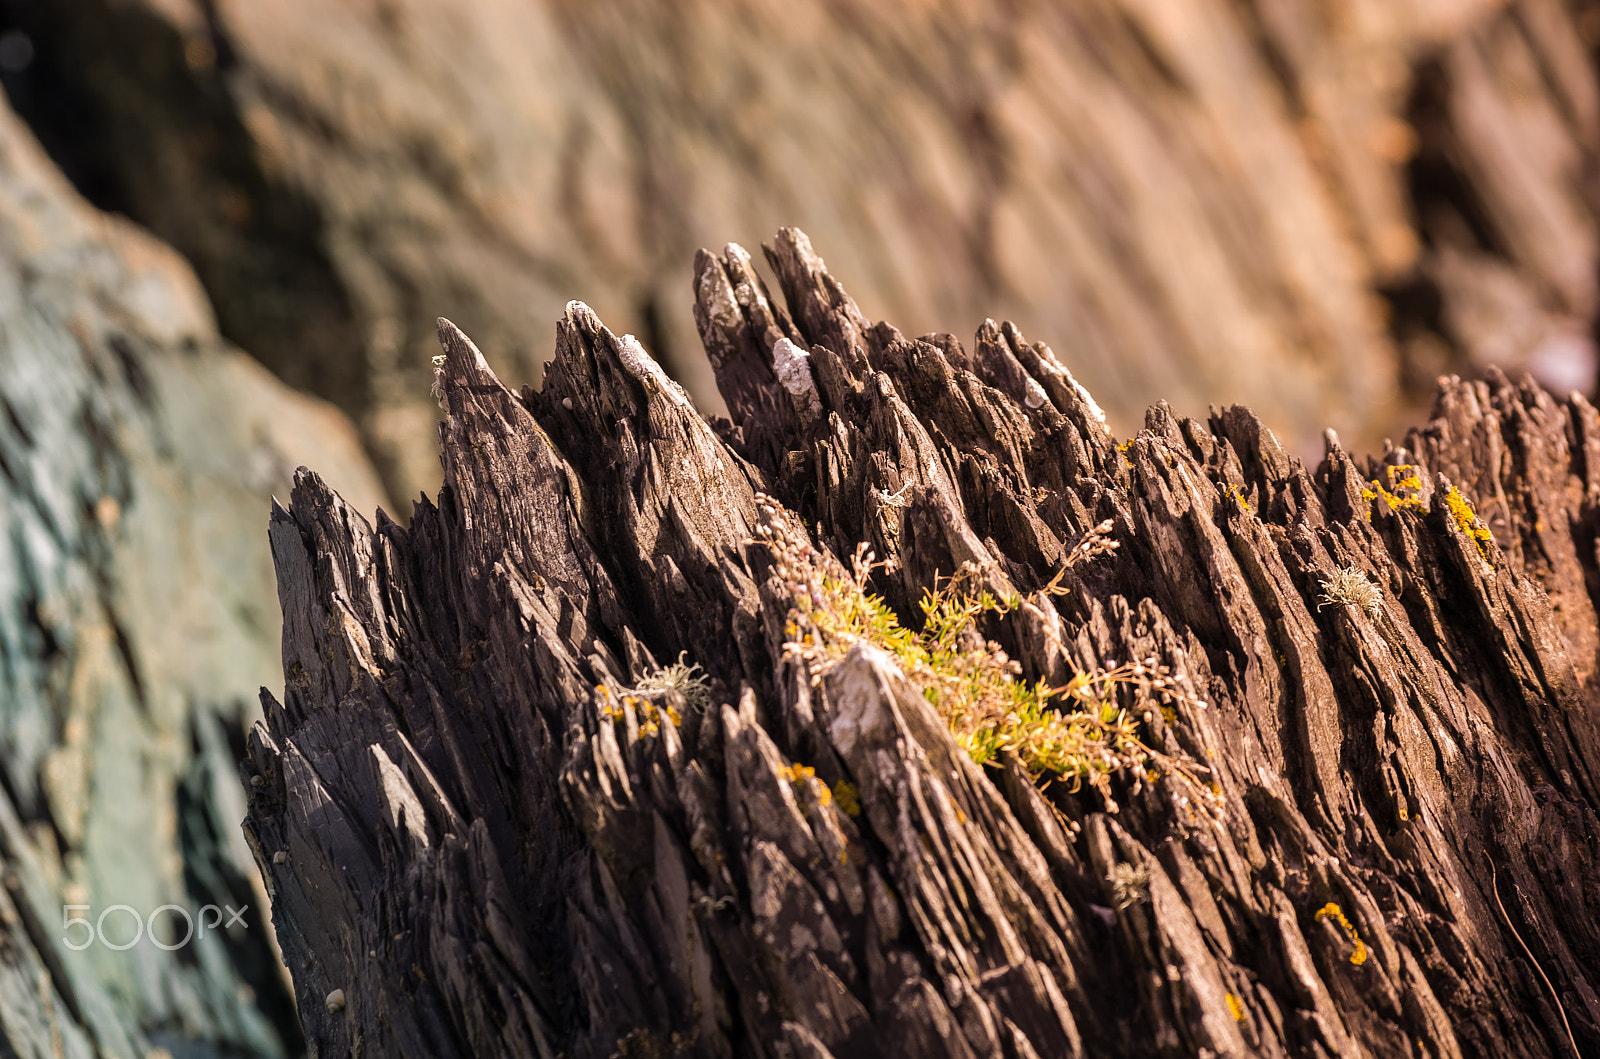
138, 455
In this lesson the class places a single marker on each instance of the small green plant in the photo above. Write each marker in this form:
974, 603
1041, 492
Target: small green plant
1077, 731
1350, 585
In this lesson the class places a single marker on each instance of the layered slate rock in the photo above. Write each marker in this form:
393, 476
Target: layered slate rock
483, 836
137, 450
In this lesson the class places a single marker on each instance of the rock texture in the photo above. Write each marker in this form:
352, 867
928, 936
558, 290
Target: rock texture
484, 835
1310, 209
137, 453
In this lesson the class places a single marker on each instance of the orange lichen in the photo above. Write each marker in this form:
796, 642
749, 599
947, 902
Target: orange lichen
1332, 911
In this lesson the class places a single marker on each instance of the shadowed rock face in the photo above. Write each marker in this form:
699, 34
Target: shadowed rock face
137, 453
1194, 200
480, 835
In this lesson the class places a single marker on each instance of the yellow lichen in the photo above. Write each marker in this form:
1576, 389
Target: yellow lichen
1468, 520
1401, 488
648, 714
849, 799
1332, 911
1235, 1007
804, 779
1232, 492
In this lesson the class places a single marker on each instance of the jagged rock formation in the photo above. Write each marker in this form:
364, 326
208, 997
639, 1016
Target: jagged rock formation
1202, 201
137, 452
483, 838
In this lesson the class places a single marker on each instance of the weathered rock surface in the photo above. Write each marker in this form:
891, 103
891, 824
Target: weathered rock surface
1200, 201
480, 841
137, 452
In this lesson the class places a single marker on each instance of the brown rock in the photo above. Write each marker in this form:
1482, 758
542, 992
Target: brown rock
1365, 825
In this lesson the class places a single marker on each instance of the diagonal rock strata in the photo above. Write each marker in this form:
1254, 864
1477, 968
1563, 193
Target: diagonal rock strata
480, 827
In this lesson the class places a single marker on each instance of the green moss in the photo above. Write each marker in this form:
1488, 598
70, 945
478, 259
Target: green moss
1077, 731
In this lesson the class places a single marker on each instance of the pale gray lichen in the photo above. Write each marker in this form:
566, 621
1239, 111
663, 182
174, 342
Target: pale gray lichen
1130, 884
1350, 586
895, 499
718, 297
793, 366
1049, 363
641, 365
679, 677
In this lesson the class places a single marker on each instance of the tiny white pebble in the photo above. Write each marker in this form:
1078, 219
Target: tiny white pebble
335, 1001
257, 781
279, 857
566, 402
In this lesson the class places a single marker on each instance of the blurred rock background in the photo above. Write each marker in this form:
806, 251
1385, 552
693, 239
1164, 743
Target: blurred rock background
138, 454
1313, 207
